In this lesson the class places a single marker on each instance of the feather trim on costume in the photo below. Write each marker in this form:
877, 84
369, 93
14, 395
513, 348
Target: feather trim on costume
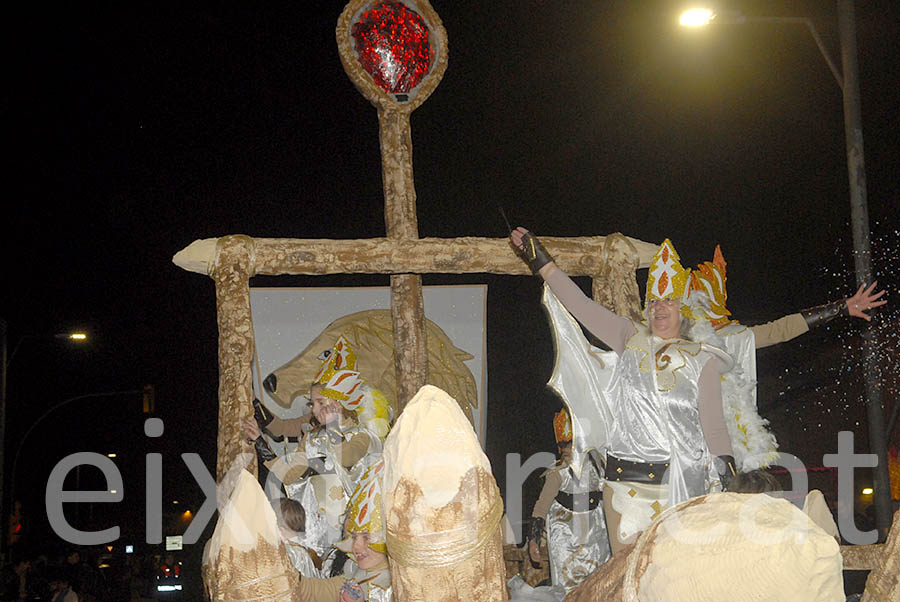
753, 443
374, 412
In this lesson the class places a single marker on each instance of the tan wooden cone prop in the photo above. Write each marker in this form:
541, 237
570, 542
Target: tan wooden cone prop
442, 506
245, 559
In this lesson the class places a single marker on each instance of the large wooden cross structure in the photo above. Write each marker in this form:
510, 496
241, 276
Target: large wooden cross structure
232, 260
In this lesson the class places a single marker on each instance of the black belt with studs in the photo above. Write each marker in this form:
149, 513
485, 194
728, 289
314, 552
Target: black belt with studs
580, 502
655, 473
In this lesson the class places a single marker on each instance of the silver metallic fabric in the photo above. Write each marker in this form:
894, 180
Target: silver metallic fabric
324, 497
641, 406
577, 541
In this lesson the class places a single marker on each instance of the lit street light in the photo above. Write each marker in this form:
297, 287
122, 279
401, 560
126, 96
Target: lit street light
5, 361
848, 81
72, 336
697, 17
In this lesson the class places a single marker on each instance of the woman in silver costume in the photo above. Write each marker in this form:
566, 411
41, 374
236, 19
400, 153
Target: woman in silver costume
661, 405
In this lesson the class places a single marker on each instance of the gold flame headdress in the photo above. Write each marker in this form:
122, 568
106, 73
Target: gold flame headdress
340, 380
338, 375
364, 511
667, 279
709, 277
562, 428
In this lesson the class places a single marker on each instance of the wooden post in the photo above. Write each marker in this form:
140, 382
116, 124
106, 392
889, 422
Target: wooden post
407, 307
231, 271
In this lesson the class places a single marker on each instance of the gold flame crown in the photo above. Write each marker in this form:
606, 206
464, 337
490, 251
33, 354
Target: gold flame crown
709, 277
667, 278
562, 427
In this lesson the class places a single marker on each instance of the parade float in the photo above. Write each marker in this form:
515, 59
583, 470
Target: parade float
395, 53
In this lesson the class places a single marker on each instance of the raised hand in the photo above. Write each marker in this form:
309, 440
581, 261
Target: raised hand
516, 236
864, 300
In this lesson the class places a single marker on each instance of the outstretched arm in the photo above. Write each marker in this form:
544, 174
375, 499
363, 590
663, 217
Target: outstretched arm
793, 325
605, 325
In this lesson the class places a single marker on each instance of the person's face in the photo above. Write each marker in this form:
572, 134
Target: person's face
322, 407
665, 318
565, 451
366, 557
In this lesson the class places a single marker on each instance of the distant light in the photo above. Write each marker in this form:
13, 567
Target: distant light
78, 336
109, 548
168, 588
697, 17
186, 515
111, 455
129, 549
113, 491
174, 501
868, 491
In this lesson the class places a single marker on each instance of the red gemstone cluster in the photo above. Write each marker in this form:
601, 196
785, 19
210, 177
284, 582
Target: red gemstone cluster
393, 47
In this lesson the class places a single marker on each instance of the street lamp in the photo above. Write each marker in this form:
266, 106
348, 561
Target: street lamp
700, 17
848, 81
79, 337
697, 17
5, 361
50, 410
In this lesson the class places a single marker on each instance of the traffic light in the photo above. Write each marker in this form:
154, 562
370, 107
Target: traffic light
149, 399
15, 525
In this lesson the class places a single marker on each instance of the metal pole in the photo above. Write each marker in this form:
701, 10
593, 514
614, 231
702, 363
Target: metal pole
859, 219
3, 519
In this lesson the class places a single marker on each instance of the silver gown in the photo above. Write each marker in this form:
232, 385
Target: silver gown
324, 496
577, 542
375, 583
641, 406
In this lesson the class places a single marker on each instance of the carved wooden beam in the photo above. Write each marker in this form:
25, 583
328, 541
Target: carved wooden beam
577, 256
407, 305
231, 271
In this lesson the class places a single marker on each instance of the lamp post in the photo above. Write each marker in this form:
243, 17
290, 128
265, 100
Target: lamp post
50, 410
5, 361
848, 81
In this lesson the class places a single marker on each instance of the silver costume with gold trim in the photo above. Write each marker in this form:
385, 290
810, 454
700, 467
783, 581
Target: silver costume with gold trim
324, 494
375, 583
640, 406
577, 541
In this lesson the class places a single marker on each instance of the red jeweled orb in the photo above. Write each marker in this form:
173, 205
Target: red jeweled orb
393, 46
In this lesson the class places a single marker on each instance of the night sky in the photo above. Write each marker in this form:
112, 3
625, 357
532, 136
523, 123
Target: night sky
136, 129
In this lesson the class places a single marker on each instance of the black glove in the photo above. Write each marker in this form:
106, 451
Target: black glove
534, 252
337, 565
263, 417
263, 450
816, 316
726, 468
535, 529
